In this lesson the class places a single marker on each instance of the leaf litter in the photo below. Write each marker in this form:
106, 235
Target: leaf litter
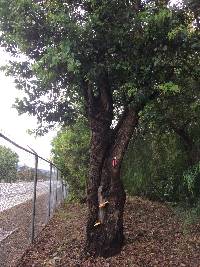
154, 236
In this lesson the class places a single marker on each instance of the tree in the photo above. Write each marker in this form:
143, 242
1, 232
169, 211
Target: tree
163, 158
105, 60
181, 116
70, 150
26, 173
8, 164
194, 7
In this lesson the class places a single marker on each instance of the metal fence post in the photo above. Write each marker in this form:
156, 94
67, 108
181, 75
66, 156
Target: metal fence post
62, 189
56, 186
34, 200
50, 177
51, 204
59, 188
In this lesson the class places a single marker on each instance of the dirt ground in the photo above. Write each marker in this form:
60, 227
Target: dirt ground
18, 220
154, 237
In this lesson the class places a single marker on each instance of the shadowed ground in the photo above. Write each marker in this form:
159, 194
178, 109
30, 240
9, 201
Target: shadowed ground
154, 237
17, 221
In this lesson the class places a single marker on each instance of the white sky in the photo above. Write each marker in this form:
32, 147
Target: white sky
15, 126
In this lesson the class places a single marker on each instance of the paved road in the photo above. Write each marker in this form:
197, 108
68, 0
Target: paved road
16, 216
16, 193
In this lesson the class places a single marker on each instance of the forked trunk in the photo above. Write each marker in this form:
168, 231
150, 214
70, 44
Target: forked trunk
105, 220
105, 192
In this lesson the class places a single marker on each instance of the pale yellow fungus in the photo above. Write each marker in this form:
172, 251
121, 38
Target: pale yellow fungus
97, 223
102, 205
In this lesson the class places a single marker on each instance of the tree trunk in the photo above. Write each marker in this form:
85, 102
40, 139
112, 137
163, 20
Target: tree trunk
105, 220
191, 149
105, 192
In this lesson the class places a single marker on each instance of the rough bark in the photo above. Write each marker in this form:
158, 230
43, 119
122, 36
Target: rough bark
106, 195
105, 192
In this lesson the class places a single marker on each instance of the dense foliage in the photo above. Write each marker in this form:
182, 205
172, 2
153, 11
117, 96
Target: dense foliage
8, 165
71, 154
158, 164
163, 158
142, 45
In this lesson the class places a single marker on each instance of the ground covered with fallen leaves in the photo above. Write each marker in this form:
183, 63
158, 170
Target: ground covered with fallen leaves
155, 236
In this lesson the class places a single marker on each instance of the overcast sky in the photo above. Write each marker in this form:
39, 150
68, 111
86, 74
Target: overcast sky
15, 126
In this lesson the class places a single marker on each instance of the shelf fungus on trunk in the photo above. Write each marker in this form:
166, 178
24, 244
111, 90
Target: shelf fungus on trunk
102, 205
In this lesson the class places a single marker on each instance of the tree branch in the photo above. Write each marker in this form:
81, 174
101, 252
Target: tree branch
188, 142
126, 125
123, 133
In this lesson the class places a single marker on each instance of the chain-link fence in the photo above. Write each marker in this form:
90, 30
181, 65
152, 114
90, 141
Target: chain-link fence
31, 188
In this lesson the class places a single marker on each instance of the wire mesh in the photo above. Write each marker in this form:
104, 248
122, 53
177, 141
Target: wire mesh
24, 211
42, 197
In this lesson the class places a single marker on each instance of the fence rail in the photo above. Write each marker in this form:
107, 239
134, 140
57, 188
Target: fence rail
30, 203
